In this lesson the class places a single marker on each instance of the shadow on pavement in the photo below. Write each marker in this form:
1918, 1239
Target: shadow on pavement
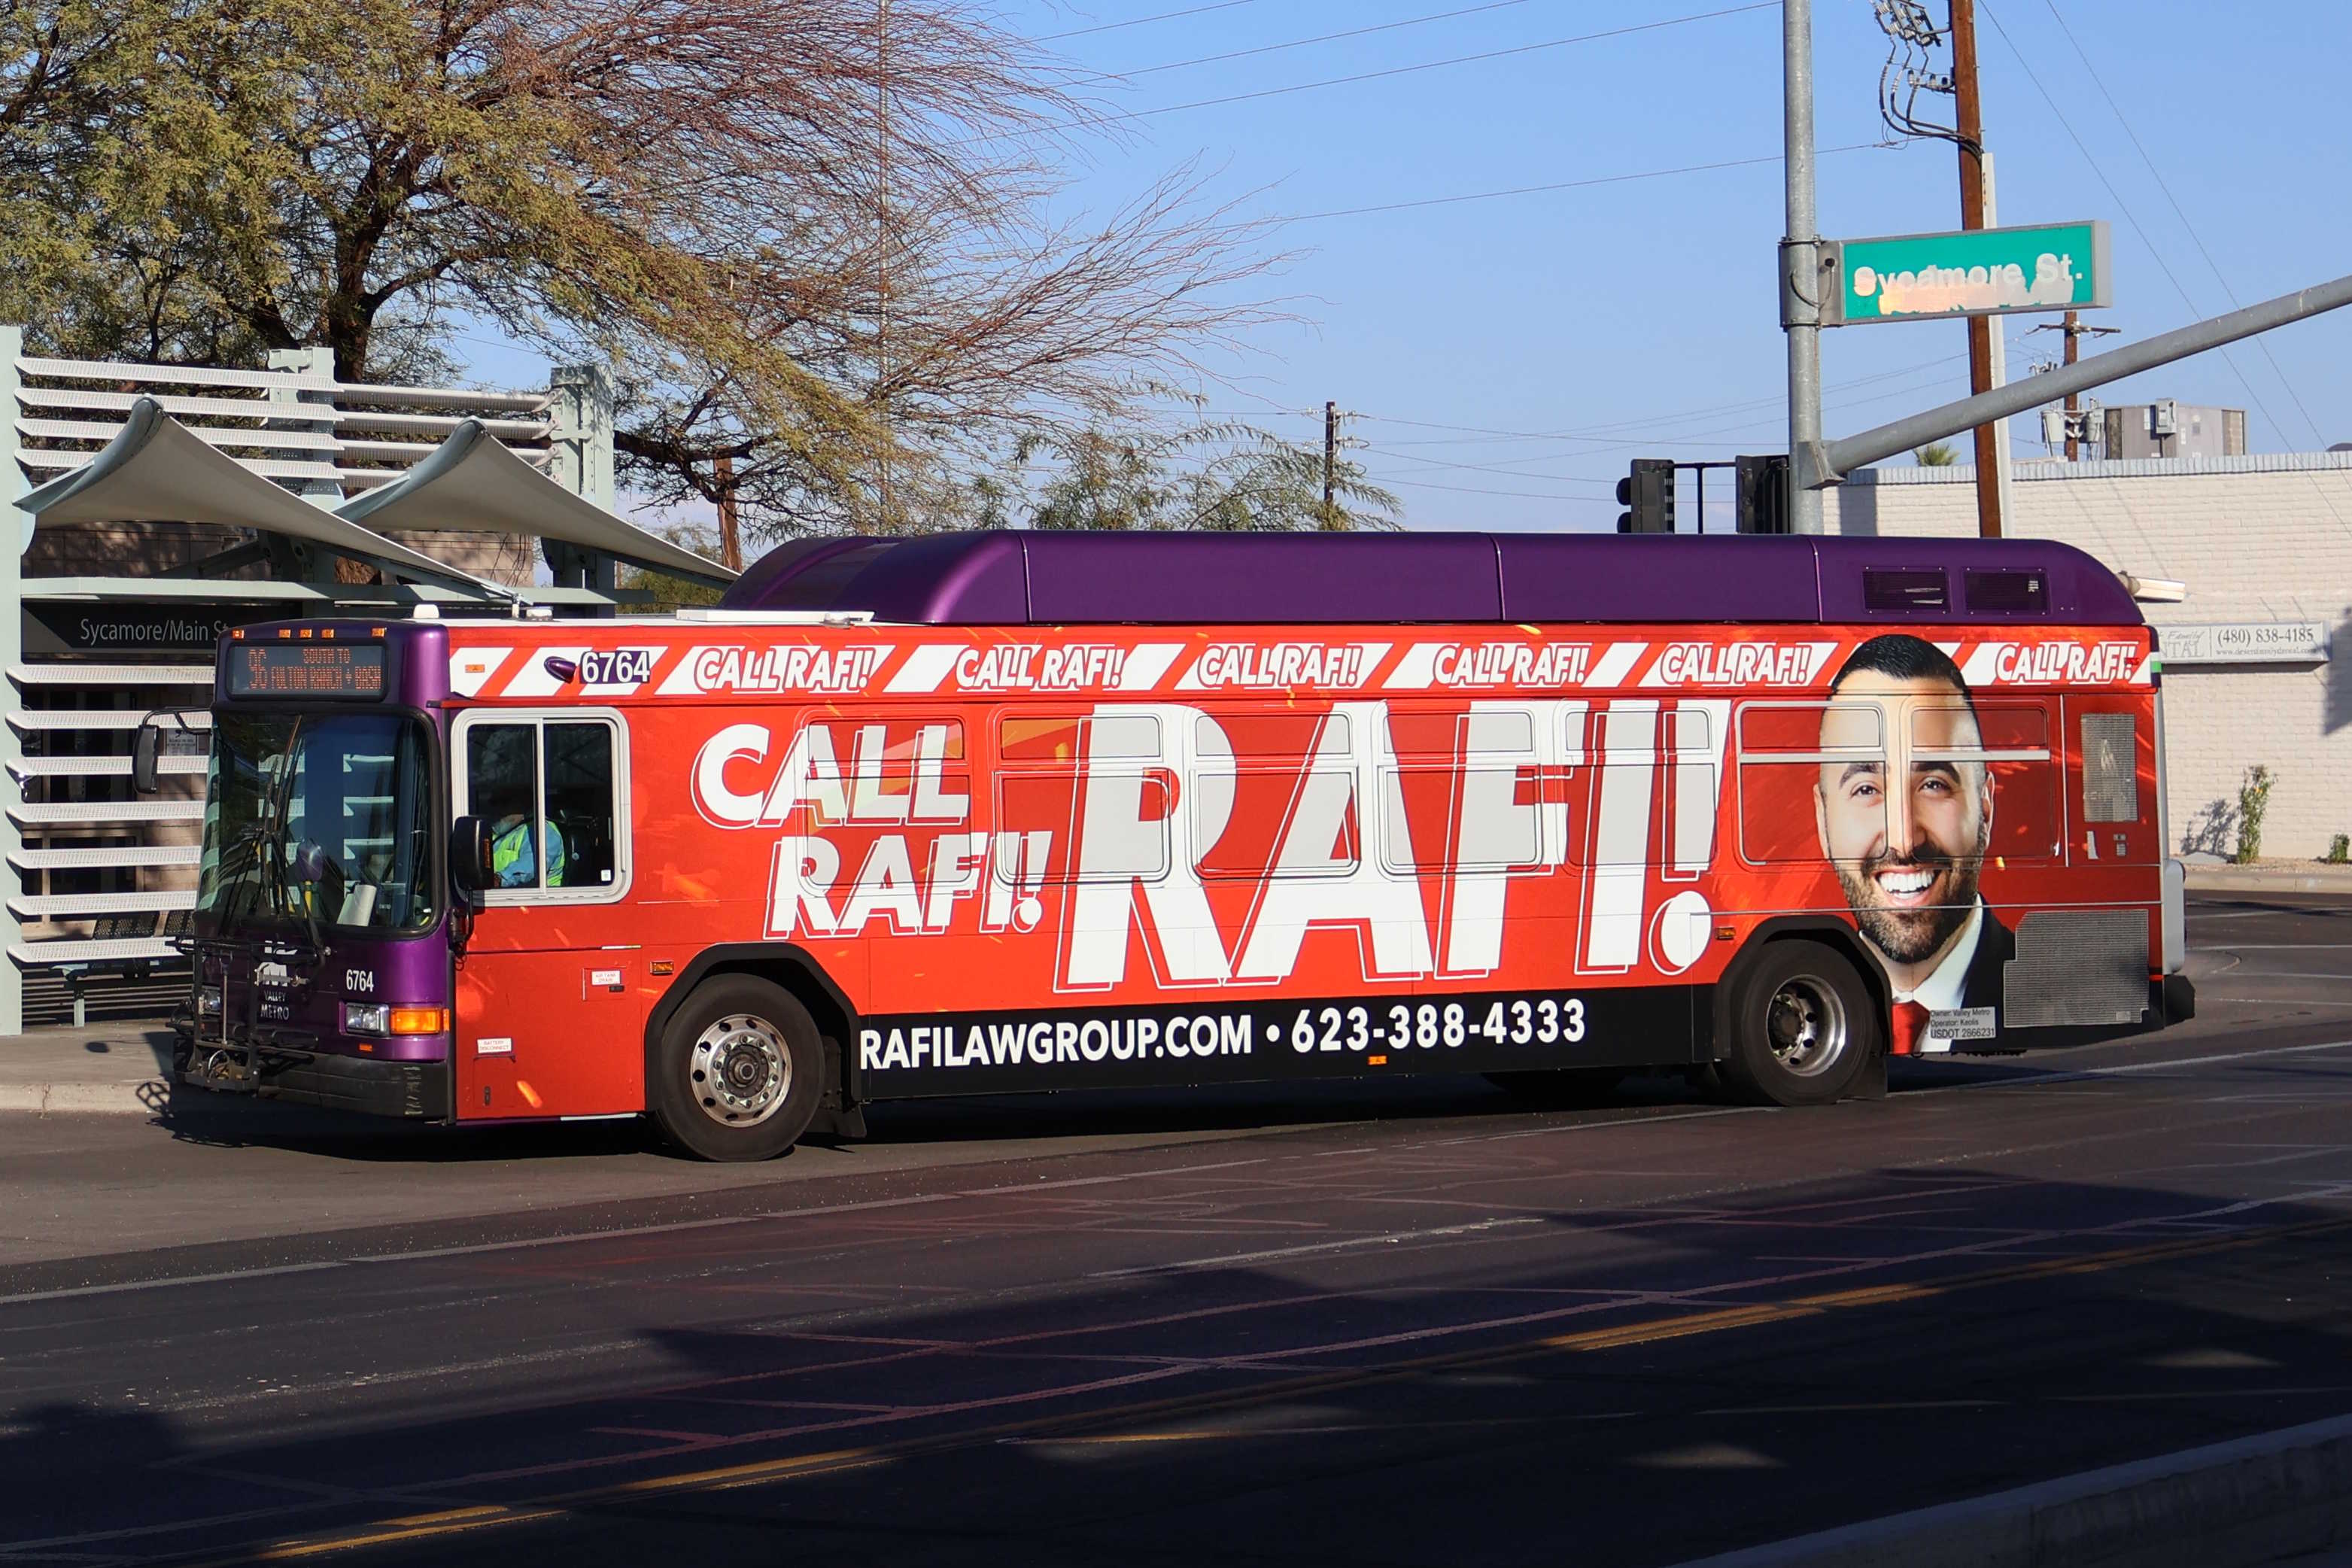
1628, 1386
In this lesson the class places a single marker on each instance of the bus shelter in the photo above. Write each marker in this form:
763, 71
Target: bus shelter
158, 505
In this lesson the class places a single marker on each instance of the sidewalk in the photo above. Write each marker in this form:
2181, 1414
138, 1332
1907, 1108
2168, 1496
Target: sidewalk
2282, 1498
121, 1068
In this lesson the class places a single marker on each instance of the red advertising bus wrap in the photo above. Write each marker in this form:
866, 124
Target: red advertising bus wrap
750, 866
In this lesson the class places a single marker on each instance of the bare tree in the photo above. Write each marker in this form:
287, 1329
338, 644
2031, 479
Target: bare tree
807, 231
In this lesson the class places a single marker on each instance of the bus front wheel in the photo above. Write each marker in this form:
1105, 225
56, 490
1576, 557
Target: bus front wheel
1804, 1026
738, 1071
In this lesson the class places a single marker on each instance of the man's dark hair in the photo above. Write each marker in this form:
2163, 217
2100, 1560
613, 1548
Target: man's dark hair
1902, 656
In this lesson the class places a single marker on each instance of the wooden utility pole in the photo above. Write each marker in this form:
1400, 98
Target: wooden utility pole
2073, 330
1330, 459
1981, 328
731, 538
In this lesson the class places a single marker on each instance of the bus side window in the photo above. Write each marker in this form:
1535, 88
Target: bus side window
2000, 746
1806, 768
1091, 783
551, 791
581, 828
1273, 795
1465, 793
1621, 797
503, 789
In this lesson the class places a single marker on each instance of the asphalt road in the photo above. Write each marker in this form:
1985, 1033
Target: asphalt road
1393, 1327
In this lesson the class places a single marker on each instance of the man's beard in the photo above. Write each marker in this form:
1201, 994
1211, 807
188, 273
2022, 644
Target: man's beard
1908, 935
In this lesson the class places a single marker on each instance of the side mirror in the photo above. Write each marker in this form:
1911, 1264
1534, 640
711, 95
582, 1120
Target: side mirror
144, 750
469, 854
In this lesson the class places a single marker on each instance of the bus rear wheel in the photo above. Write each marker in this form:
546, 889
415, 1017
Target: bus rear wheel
738, 1071
1804, 1026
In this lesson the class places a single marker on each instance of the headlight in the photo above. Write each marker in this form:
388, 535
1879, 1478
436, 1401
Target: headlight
384, 1018
208, 1001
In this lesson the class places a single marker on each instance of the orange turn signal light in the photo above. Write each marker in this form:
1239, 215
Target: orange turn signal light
420, 1020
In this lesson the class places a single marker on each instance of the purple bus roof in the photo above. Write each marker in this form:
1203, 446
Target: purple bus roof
1007, 578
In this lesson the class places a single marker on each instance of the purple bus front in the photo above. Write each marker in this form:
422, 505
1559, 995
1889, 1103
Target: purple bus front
321, 940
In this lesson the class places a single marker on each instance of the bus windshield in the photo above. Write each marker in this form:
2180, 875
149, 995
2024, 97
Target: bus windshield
320, 817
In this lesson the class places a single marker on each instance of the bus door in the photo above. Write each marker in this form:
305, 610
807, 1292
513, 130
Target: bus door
551, 1003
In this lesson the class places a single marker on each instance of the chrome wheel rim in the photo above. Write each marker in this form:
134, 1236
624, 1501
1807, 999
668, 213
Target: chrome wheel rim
1806, 1023
741, 1070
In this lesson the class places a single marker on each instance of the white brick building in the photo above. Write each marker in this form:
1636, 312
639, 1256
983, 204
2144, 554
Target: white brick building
2262, 539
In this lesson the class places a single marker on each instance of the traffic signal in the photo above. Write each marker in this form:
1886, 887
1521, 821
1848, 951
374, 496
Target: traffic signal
1762, 487
1647, 494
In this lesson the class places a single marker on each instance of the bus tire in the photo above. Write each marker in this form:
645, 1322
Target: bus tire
738, 1071
1804, 1026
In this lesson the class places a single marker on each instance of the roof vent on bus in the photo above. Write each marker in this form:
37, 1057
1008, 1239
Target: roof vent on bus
1902, 588
2008, 593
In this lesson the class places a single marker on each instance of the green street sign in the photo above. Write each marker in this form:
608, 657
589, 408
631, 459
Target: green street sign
1974, 272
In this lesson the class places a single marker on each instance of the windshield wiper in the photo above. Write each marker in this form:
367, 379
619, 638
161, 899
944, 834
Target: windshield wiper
265, 837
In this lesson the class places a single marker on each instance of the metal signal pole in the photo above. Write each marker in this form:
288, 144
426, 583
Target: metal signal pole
1801, 269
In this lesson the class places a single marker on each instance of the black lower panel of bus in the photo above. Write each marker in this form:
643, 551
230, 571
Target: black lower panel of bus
413, 1090
1230, 1038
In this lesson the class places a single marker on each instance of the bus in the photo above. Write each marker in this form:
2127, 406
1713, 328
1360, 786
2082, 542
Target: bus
1027, 811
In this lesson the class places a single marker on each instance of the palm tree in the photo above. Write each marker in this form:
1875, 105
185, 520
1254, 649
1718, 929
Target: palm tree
1937, 455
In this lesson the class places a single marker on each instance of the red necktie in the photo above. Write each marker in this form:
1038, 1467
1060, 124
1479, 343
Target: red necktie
1910, 1020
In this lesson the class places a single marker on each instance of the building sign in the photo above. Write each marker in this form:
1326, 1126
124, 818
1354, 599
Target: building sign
116, 626
2245, 642
1970, 272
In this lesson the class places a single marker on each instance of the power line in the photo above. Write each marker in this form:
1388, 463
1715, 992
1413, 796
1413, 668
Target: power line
2129, 216
1474, 490
1615, 435
1598, 432
2220, 277
1432, 466
1563, 185
1139, 21
1700, 439
1297, 43
1424, 66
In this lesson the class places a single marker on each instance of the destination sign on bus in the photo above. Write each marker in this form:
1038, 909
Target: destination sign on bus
306, 669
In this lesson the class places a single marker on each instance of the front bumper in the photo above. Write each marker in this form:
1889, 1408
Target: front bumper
411, 1090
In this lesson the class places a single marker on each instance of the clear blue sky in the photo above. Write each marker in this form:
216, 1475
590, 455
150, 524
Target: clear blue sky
1641, 314
1614, 309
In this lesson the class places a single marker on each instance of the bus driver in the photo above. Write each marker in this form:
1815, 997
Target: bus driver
514, 859
1910, 861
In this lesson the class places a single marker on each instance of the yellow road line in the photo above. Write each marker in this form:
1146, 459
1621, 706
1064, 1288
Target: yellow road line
428, 1526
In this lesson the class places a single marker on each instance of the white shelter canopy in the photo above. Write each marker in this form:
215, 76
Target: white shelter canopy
157, 470
470, 481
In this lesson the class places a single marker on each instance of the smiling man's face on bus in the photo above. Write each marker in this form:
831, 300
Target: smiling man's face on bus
1906, 829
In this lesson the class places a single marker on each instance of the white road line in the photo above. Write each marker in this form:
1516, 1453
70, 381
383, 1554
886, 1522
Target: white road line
2290, 974
1312, 1249
2278, 947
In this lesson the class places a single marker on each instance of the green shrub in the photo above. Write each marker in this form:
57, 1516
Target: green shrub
2340, 849
2253, 799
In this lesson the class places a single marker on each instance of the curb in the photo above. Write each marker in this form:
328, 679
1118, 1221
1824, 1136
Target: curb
2231, 1505
142, 1098
2266, 880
